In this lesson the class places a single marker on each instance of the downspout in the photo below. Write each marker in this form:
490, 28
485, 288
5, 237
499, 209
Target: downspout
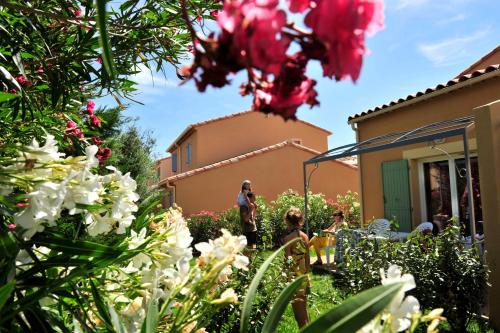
172, 188
354, 127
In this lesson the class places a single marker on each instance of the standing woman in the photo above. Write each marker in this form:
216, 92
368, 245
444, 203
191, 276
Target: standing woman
248, 226
297, 256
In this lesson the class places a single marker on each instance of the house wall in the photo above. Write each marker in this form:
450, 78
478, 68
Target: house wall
182, 165
271, 173
164, 165
447, 106
220, 140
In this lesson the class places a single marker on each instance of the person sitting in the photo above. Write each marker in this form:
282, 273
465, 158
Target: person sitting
297, 257
320, 242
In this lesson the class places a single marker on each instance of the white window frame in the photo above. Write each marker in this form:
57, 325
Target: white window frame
453, 182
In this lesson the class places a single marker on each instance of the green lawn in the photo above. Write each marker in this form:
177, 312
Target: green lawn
323, 297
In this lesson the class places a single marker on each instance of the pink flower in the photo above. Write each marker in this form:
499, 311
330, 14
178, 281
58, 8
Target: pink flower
214, 13
340, 26
297, 6
23, 81
103, 154
94, 120
77, 13
96, 140
288, 91
256, 32
71, 124
90, 107
11, 226
99, 60
199, 18
72, 129
21, 204
39, 69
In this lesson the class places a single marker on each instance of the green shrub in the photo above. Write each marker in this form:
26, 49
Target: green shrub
350, 206
203, 226
447, 275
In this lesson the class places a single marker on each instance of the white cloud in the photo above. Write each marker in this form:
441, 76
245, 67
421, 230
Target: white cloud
151, 83
402, 4
453, 50
453, 19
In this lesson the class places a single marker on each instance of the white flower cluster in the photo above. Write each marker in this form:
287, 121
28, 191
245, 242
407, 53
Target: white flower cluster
69, 183
402, 311
164, 272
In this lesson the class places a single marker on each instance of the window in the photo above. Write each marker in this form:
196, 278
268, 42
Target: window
174, 162
188, 153
444, 189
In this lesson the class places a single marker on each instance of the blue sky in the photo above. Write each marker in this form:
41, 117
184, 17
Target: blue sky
425, 42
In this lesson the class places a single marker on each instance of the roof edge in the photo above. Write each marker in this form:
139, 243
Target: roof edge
483, 58
420, 97
251, 154
232, 115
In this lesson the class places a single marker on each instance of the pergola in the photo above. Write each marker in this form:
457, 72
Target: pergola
427, 133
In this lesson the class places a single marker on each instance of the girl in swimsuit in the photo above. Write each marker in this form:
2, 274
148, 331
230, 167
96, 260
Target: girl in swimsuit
297, 255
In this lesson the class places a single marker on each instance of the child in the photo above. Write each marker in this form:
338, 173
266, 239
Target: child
320, 242
297, 254
253, 207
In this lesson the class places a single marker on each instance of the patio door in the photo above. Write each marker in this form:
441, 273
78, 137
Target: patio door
397, 193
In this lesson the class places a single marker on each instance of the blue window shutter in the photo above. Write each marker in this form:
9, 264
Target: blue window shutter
174, 162
396, 186
188, 153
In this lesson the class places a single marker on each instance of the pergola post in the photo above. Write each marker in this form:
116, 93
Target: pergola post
487, 122
470, 190
306, 221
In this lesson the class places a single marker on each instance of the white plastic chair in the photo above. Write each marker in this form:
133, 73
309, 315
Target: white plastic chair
379, 227
424, 226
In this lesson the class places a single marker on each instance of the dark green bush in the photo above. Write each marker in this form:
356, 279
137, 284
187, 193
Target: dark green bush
447, 274
203, 226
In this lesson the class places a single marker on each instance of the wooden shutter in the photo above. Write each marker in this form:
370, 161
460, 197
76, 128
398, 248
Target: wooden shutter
396, 187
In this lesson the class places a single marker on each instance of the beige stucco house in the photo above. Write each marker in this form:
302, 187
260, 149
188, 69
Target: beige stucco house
417, 182
210, 159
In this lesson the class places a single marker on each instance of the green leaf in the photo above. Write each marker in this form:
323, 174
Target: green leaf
101, 308
78, 247
280, 304
150, 323
5, 292
252, 289
4, 97
356, 311
107, 56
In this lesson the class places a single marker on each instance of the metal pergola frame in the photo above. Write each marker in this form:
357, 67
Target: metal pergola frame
427, 133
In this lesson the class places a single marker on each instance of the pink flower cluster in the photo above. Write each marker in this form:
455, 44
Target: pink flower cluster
94, 120
73, 130
256, 36
208, 213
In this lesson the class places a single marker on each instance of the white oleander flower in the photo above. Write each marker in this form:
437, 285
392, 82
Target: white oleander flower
400, 311
47, 153
228, 296
225, 248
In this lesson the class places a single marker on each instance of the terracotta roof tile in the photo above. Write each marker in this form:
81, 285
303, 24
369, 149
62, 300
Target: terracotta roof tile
249, 155
463, 78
